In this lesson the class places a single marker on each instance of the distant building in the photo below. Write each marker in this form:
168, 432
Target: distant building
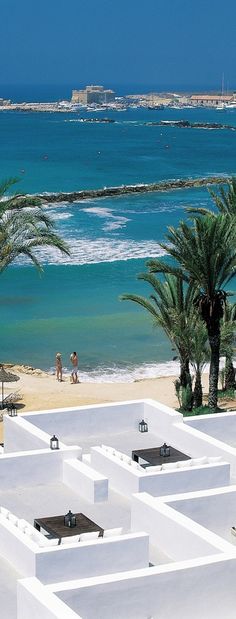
211, 100
92, 94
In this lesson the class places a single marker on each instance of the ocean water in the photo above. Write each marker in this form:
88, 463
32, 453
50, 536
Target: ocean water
75, 304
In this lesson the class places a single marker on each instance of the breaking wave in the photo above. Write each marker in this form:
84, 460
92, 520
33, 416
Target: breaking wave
92, 251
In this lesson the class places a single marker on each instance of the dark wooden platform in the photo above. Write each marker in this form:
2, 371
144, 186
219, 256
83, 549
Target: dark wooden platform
153, 456
54, 525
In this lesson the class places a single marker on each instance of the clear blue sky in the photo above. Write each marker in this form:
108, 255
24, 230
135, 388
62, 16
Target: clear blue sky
159, 42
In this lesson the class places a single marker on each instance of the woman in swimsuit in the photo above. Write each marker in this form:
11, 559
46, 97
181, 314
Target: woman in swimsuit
58, 366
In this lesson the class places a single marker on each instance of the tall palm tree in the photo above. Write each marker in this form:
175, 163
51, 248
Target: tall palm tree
206, 259
225, 202
24, 227
199, 356
228, 328
171, 305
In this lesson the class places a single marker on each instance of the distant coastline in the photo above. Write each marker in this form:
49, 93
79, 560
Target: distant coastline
87, 194
97, 98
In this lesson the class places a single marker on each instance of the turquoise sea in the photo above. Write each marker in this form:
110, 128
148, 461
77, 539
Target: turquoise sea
75, 304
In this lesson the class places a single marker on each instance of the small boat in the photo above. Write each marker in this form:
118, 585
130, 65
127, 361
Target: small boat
156, 107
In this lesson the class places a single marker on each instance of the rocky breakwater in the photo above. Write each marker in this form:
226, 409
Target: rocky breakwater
97, 120
106, 192
186, 124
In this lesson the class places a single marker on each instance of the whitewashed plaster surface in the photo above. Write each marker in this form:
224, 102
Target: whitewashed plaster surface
189, 532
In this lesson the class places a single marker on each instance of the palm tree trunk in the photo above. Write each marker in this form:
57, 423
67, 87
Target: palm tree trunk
197, 393
214, 341
229, 373
186, 383
185, 376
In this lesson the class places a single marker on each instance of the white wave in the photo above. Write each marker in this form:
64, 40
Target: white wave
56, 205
115, 225
91, 251
130, 373
98, 211
56, 216
127, 374
107, 213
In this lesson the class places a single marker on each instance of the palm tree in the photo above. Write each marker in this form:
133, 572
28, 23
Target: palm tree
227, 344
24, 227
224, 199
199, 356
171, 305
206, 259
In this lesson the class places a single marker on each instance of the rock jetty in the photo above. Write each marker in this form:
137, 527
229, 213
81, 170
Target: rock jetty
186, 124
105, 192
96, 120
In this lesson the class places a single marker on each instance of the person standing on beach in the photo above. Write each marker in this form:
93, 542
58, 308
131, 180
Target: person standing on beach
59, 367
75, 363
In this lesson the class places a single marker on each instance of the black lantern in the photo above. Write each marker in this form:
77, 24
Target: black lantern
165, 450
54, 442
143, 426
12, 410
70, 519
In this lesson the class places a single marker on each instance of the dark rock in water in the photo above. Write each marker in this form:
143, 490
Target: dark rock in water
186, 124
97, 120
86, 194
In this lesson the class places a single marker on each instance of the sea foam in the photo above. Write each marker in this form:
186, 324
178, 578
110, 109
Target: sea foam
128, 374
93, 251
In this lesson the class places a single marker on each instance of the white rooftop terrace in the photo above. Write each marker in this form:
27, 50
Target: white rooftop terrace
37, 501
33, 496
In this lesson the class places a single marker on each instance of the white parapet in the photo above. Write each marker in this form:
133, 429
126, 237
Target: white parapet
80, 477
34, 600
42, 466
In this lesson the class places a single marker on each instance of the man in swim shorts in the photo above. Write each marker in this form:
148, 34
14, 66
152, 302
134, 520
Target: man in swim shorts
75, 363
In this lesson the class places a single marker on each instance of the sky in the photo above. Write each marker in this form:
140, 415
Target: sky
183, 43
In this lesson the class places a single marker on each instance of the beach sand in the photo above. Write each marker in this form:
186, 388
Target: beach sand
41, 391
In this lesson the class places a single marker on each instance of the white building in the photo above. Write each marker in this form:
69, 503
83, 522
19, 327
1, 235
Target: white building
168, 545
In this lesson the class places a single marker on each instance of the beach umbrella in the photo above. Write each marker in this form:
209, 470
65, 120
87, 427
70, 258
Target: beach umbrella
7, 377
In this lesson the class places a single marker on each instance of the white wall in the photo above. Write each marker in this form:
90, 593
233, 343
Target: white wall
122, 478
221, 426
190, 440
102, 556
84, 422
174, 534
193, 589
104, 419
161, 418
21, 435
17, 548
81, 478
127, 480
34, 467
34, 600
78, 560
182, 480
214, 509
